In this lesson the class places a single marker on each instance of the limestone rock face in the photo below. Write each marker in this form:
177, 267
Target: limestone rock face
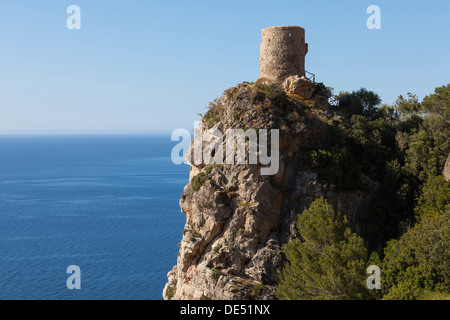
237, 220
299, 85
447, 169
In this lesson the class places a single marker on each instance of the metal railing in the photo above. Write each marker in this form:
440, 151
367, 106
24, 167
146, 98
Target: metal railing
312, 76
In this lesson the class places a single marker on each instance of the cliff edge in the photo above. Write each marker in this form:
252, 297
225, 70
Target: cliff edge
237, 220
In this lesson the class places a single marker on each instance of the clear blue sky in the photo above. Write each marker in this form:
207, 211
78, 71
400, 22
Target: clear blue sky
149, 66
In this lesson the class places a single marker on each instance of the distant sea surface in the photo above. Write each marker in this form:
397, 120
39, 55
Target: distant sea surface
108, 204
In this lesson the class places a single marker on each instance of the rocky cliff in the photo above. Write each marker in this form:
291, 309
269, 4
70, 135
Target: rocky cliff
238, 220
447, 169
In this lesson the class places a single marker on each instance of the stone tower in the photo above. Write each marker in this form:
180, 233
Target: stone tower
283, 51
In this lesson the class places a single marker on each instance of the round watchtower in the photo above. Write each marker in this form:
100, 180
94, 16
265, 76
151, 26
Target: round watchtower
283, 51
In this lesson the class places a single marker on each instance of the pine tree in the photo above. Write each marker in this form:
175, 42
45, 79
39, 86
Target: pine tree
328, 263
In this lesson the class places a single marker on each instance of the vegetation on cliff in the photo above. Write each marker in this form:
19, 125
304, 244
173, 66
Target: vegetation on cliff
328, 263
405, 147
359, 183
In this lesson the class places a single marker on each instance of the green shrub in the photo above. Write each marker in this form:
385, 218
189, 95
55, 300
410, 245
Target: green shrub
216, 274
429, 295
198, 181
273, 92
244, 204
170, 292
212, 116
329, 263
209, 169
244, 233
257, 289
419, 262
434, 199
335, 165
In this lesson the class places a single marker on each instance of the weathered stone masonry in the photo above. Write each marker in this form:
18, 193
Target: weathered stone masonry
283, 51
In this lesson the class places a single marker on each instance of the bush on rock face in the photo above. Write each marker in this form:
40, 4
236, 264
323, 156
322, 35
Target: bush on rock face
328, 263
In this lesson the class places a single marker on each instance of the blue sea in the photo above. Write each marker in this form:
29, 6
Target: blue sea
108, 204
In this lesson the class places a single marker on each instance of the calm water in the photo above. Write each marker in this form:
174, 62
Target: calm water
108, 204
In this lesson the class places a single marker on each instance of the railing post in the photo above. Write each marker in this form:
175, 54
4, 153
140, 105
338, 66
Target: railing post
313, 76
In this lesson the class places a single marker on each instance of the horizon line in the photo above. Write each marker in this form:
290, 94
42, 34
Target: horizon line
83, 134
49, 133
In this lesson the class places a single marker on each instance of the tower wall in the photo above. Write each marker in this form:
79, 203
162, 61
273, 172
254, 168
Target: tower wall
283, 51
